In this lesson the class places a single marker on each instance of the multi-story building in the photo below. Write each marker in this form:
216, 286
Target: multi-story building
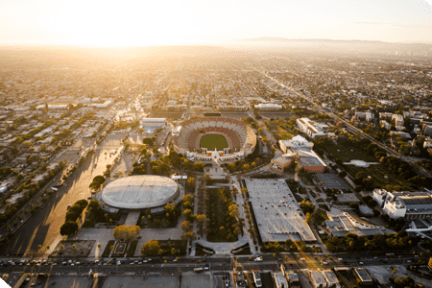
313, 129
408, 205
298, 148
398, 119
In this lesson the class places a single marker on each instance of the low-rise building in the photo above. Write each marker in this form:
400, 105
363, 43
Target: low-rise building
311, 128
427, 143
384, 124
408, 205
300, 149
277, 212
292, 277
362, 276
398, 119
331, 279
346, 198
340, 223
368, 116
268, 106
282, 162
280, 280
38, 179
151, 124
401, 134
317, 279
239, 280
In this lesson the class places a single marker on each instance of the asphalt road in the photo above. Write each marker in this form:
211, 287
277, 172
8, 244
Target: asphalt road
44, 226
214, 264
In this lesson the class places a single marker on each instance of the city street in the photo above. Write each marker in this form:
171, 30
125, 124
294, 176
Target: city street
44, 226
215, 264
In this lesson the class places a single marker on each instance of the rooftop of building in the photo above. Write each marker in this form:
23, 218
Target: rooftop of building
139, 192
330, 276
277, 212
340, 223
362, 274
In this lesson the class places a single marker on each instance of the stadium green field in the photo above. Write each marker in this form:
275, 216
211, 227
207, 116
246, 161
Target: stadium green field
212, 141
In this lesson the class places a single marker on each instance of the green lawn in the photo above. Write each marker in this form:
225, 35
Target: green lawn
347, 153
212, 141
377, 172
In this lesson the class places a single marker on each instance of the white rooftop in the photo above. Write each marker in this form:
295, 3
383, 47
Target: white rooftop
139, 192
278, 214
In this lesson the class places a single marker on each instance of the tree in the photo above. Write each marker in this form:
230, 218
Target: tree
93, 205
308, 218
126, 232
190, 184
68, 228
189, 236
149, 141
151, 248
187, 212
188, 198
307, 207
201, 218
186, 225
20, 177
198, 166
233, 210
97, 182
289, 243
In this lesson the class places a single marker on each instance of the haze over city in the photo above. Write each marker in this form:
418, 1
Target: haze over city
215, 144
190, 22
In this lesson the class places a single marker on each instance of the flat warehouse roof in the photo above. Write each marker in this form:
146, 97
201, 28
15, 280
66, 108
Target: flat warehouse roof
278, 214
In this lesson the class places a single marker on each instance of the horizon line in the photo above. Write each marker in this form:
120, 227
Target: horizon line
256, 39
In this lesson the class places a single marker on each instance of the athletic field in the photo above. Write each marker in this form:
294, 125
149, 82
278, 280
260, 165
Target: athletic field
212, 141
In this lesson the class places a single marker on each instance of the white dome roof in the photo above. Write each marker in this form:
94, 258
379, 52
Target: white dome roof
139, 192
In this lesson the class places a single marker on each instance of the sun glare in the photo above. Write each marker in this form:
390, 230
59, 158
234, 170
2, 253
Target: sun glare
127, 25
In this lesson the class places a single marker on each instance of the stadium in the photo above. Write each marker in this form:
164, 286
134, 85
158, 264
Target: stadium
138, 193
220, 138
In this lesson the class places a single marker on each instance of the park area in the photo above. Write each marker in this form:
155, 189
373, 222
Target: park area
212, 141
221, 212
345, 153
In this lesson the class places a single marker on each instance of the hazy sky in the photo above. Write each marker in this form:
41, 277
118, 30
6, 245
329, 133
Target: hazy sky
166, 22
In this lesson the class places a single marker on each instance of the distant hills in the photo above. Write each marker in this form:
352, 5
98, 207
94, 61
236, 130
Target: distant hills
287, 40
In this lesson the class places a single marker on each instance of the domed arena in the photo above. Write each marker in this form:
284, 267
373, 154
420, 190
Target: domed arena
224, 139
139, 193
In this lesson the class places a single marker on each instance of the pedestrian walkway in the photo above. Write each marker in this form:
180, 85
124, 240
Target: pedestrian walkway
222, 248
132, 218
